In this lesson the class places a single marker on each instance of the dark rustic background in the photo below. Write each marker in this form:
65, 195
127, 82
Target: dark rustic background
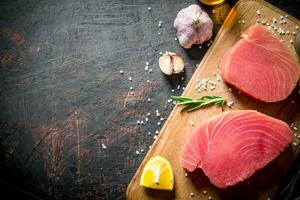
62, 96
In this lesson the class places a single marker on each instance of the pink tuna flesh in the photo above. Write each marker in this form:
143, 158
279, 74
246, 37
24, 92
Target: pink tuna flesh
232, 146
260, 66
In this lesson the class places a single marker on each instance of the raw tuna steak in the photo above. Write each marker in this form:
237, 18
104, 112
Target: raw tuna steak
260, 66
232, 146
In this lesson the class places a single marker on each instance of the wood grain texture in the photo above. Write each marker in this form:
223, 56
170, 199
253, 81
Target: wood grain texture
178, 128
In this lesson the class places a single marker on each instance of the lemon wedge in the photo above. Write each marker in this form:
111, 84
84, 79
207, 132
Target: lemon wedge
157, 174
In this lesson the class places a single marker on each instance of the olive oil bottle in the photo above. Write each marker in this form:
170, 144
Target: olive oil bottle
211, 2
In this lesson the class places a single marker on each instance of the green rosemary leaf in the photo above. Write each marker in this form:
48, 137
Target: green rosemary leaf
194, 104
181, 99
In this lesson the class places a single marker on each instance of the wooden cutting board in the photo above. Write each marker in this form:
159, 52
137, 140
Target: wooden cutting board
178, 127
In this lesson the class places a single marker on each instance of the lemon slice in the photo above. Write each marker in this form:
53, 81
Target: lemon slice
157, 174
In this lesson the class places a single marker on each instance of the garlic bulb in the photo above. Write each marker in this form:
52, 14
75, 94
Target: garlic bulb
170, 63
193, 26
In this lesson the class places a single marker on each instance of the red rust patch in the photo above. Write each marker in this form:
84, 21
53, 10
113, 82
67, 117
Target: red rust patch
27, 80
15, 37
6, 59
114, 77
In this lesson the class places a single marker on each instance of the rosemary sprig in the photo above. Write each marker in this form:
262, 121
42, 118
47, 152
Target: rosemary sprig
193, 104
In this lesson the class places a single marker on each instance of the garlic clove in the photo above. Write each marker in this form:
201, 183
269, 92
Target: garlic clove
165, 64
170, 63
178, 64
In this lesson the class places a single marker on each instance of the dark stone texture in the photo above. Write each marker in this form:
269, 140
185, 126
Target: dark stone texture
62, 96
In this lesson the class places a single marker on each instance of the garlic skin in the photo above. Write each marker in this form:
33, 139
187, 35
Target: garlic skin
170, 63
193, 26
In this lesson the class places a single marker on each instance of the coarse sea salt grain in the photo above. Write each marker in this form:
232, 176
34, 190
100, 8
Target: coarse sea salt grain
121, 72
294, 144
229, 103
